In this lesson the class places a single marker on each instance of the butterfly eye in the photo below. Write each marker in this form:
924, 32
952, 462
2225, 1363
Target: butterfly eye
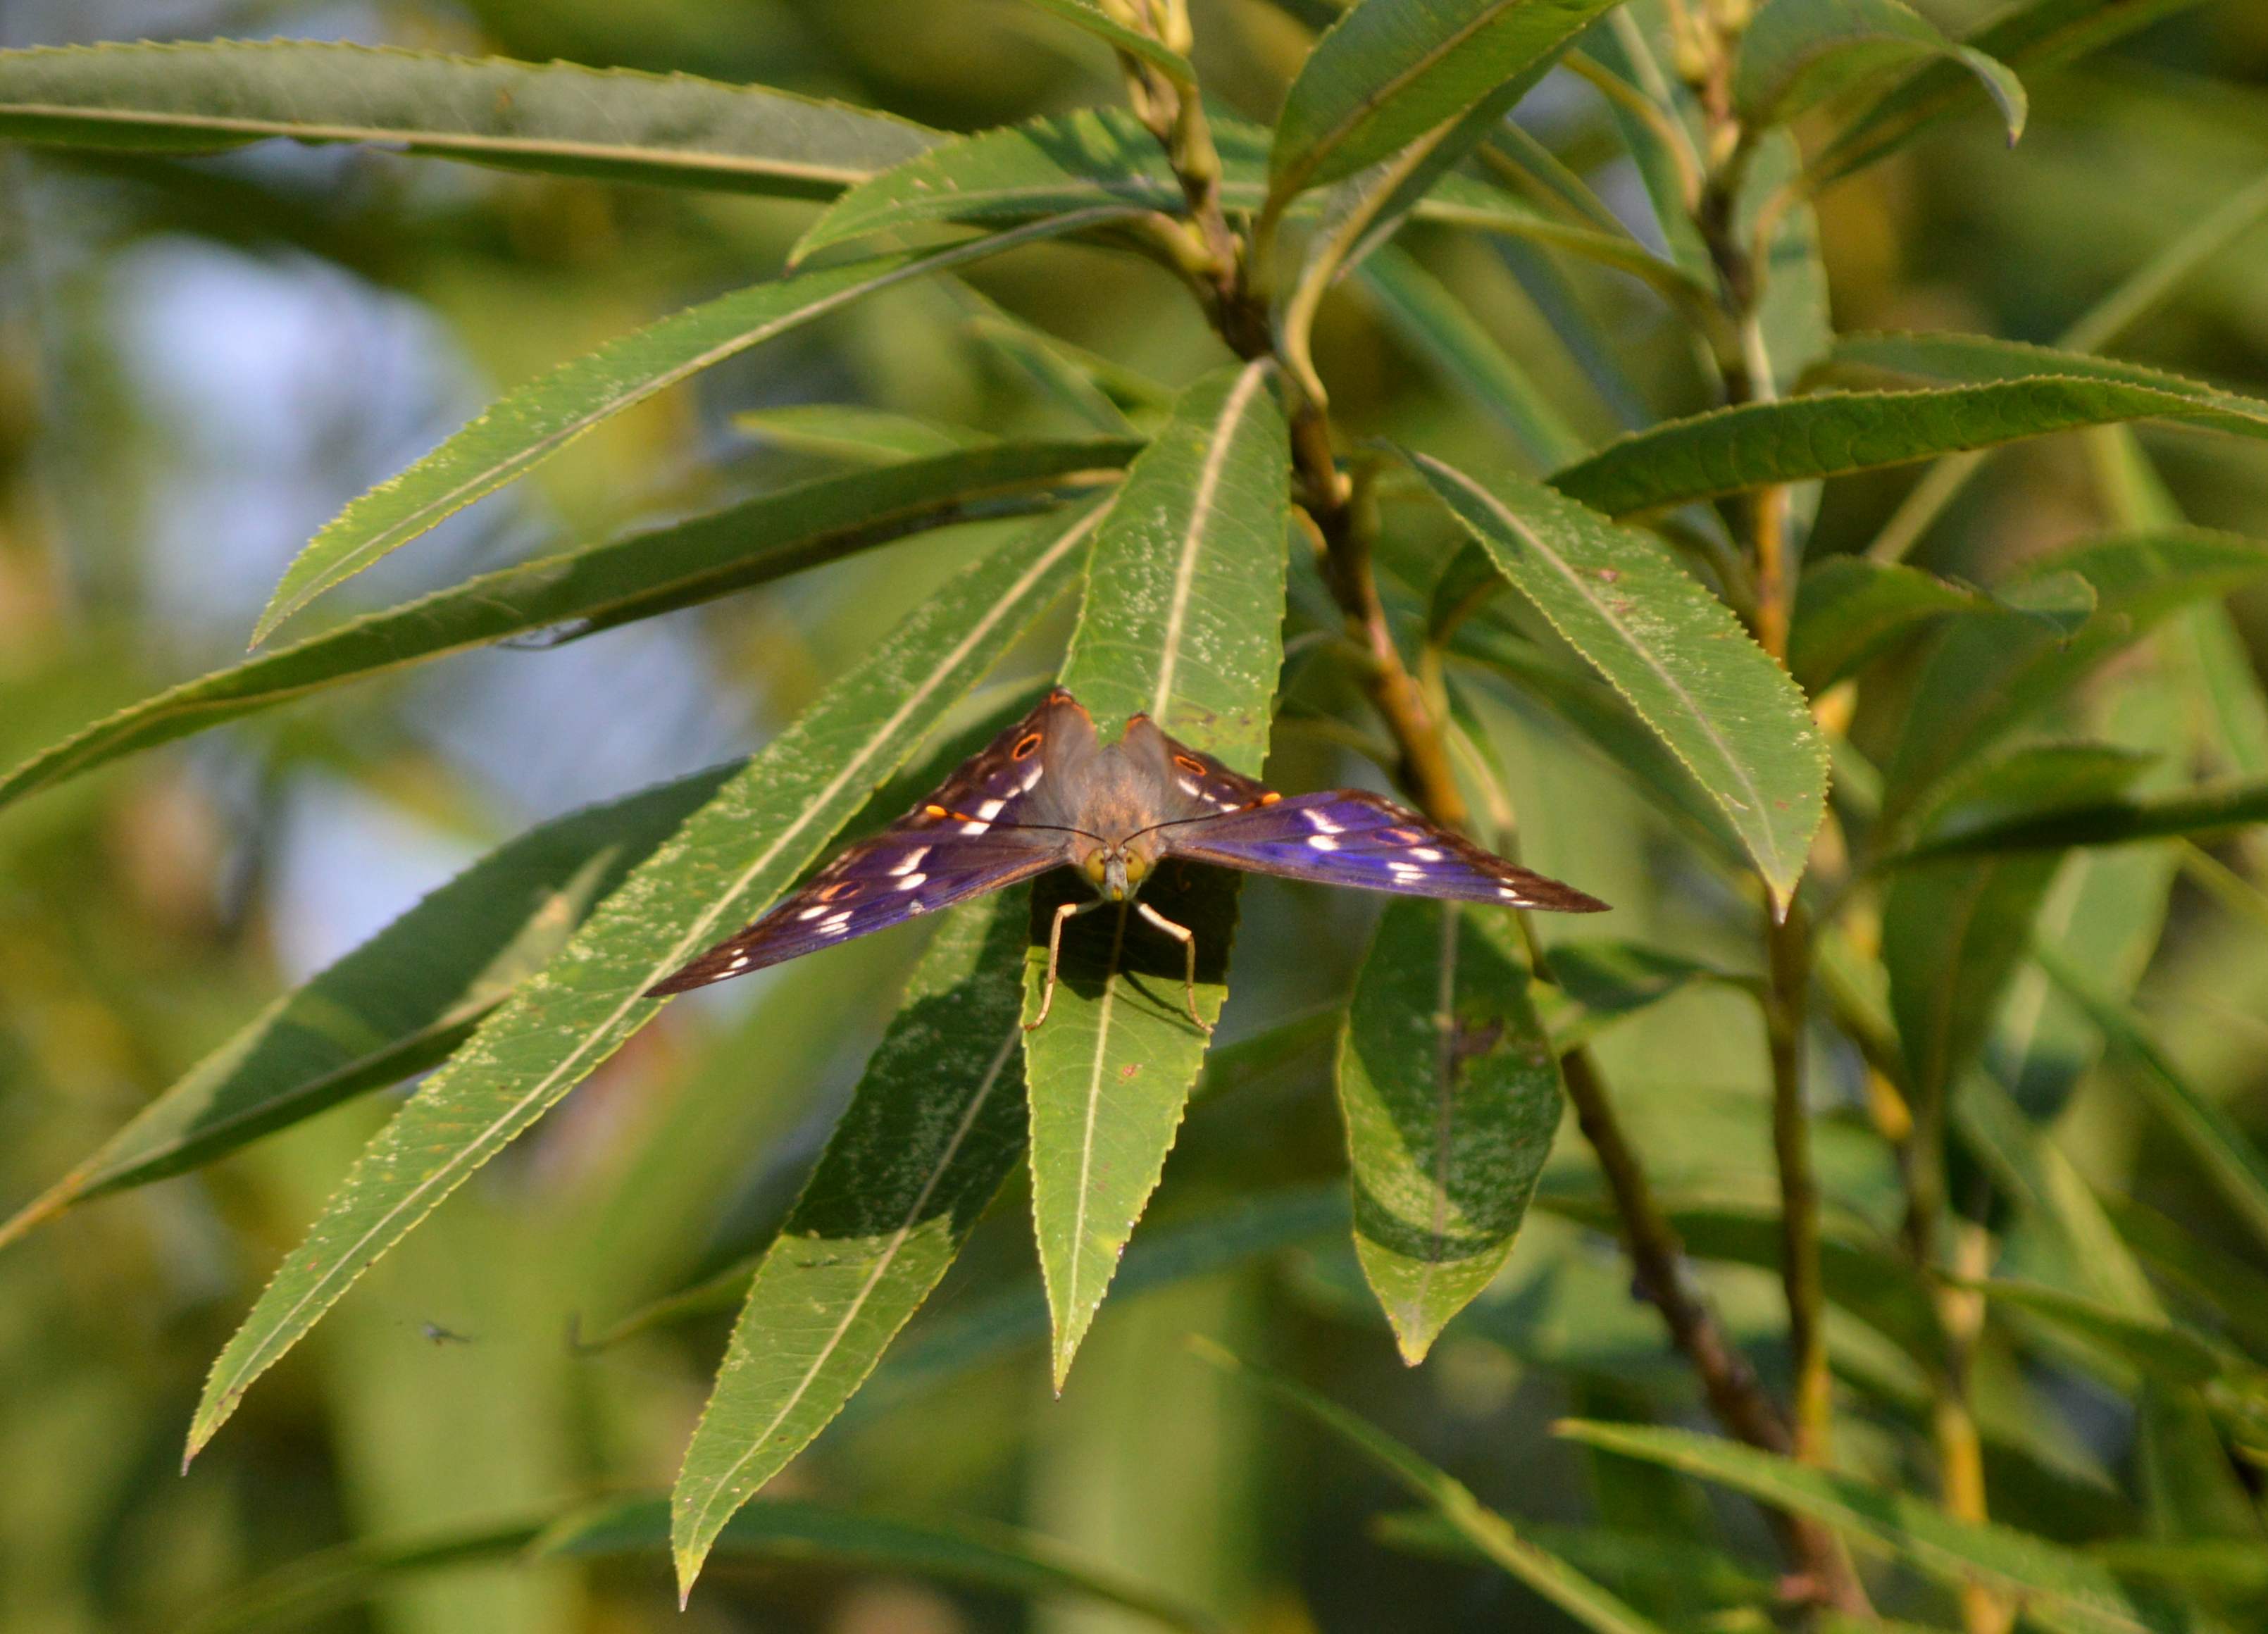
1189, 765
1024, 747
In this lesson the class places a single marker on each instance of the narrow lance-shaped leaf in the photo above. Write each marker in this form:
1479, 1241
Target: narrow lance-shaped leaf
1001, 1558
2220, 1147
728, 862
2061, 1589
1716, 698
2003, 392
935, 1125
1797, 53
2034, 39
1955, 932
1392, 69
856, 432
1849, 610
1182, 622
556, 116
394, 1006
2192, 815
1451, 1095
1990, 674
530, 425
1479, 1527
1423, 312
580, 593
1101, 157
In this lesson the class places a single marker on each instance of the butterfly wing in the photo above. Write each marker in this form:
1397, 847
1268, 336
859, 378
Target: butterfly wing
1346, 836
959, 842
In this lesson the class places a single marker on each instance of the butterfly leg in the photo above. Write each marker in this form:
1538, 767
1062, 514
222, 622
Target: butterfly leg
1066, 911
1187, 938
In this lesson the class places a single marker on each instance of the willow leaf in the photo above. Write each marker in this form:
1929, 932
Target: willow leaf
395, 1005
935, 1126
554, 117
527, 426
1672, 649
1797, 53
2061, 1589
1182, 620
731, 860
581, 592
1389, 71
1479, 1527
1451, 1095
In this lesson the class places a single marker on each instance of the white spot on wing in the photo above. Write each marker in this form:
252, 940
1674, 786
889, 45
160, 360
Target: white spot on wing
1032, 778
1189, 784
1427, 854
1322, 843
992, 809
973, 826
1322, 824
912, 881
813, 913
912, 860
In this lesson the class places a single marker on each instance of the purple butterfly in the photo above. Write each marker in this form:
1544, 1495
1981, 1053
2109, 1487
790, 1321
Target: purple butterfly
1046, 793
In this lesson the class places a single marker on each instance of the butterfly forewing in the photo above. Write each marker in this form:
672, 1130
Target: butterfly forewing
959, 842
1352, 838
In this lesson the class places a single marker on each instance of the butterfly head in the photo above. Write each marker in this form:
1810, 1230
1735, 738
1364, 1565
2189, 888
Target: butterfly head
1116, 869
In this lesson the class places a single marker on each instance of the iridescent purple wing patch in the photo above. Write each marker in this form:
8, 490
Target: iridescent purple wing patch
1350, 838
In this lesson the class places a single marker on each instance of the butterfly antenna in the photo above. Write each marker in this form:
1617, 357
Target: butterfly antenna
994, 822
1234, 811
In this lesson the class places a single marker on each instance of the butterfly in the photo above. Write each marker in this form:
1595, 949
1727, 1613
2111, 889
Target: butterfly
1047, 793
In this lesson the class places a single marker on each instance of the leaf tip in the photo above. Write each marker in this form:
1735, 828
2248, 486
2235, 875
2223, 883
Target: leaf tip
688, 1569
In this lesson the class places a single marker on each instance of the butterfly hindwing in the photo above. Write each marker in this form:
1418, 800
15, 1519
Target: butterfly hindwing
959, 842
1350, 838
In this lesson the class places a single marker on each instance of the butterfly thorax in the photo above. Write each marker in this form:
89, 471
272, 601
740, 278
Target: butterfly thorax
1113, 797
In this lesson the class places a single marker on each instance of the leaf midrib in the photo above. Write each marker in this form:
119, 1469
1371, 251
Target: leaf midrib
1225, 426
551, 146
695, 937
1701, 716
882, 1264
1295, 178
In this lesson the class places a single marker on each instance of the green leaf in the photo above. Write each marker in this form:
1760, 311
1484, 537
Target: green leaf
852, 431
2033, 38
1182, 620
1451, 1095
2155, 1347
935, 1125
2193, 814
1479, 1527
1851, 609
395, 1005
582, 591
2214, 1139
1990, 674
1082, 160
1146, 48
2060, 1589
615, 123
1421, 309
1953, 932
528, 425
980, 1330
997, 1557
1674, 651
296, 1594
1596, 984
1601, 719
726, 865
1392, 69
1798, 54
2216, 1279
2021, 391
